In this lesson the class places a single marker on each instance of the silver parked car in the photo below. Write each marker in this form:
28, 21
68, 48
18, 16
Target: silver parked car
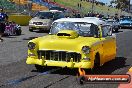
43, 20
114, 25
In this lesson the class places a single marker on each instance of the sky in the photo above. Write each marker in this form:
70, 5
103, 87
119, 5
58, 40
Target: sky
108, 1
105, 1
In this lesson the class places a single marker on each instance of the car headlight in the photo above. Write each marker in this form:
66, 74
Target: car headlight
31, 45
85, 49
45, 23
30, 22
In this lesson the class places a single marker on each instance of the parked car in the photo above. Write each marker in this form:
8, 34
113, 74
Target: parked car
11, 28
58, 8
114, 25
43, 20
126, 22
73, 43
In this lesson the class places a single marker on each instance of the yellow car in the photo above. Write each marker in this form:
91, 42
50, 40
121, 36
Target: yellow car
73, 43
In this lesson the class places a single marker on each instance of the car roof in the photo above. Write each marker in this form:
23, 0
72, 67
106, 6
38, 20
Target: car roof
88, 20
92, 17
50, 11
110, 20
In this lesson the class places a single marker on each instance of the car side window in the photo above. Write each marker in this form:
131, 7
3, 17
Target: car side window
106, 31
94, 30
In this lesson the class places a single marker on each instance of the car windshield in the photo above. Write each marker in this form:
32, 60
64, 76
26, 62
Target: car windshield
48, 15
82, 28
58, 15
57, 8
44, 15
110, 22
129, 19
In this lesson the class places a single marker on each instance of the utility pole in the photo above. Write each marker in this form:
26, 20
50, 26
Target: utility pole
129, 6
19, 6
92, 6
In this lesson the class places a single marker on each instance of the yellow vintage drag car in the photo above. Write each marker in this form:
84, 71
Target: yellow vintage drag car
73, 43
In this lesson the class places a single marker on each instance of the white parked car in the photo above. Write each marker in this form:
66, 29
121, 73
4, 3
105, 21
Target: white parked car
44, 19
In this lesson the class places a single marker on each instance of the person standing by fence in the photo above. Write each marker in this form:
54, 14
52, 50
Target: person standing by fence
3, 19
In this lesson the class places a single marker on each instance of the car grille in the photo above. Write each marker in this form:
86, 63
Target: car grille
59, 55
38, 23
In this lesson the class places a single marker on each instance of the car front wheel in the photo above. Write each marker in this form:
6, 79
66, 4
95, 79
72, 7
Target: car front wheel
116, 30
39, 67
18, 32
31, 30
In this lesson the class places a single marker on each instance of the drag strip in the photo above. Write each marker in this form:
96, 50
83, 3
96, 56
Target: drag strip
17, 81
15, 73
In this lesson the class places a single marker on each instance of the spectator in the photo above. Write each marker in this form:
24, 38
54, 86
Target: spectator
3, 19
116, 17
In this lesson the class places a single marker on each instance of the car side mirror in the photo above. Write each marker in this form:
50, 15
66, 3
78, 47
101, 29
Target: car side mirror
114, 35
49, 33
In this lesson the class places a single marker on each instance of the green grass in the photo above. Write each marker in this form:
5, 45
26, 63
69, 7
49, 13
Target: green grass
86, 7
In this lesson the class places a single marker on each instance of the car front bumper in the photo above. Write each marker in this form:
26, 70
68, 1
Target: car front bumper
39, 27
125, 25
86, 64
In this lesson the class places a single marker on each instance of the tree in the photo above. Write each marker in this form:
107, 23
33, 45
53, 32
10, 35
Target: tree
121, 4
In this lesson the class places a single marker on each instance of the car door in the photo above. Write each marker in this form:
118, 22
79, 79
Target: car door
109, 43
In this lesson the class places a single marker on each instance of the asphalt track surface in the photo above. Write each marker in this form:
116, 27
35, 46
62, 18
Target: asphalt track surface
15, 73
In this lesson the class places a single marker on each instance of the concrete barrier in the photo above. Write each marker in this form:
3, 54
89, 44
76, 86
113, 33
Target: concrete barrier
20, 19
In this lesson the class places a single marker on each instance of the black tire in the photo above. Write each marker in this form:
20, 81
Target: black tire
18, 32
39, 67
113, 30
47, 31
97, 60
81, 80
30, 30
89, 71
116, 30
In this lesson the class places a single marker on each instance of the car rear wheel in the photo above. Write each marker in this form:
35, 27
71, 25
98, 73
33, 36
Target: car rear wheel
18, 32
30, 30
39, 67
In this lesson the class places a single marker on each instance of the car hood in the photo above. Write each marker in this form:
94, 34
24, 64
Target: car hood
36, 19
53, 42
125, 21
